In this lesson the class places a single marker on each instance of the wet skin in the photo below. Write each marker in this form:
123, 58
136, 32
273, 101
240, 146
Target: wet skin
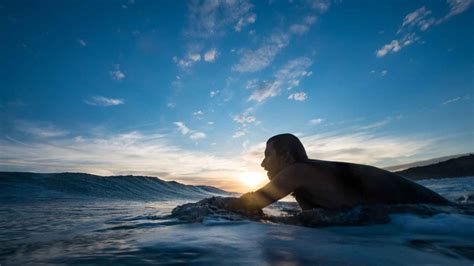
331, 185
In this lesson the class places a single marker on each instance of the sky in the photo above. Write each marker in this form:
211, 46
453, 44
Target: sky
191, 90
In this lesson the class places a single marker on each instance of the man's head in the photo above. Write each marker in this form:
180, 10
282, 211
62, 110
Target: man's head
281, 151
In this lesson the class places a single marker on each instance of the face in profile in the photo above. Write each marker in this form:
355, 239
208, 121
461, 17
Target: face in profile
273, 162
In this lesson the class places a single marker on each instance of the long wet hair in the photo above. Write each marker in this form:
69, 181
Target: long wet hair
289, 143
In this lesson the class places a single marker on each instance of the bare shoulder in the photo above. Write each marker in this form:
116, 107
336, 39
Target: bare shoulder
291, 176
297, 169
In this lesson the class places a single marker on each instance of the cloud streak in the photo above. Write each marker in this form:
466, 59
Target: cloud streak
189, 60
210, 56
259, 58
182, 128
244, 119
103, 101
419, 21
82, 42
39, 130
117, 74
211, 17
299, 96
193, 134
459, 98
316, 121
396, 45
287, 77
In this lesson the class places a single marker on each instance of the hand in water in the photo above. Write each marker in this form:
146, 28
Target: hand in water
229, 203
232, 204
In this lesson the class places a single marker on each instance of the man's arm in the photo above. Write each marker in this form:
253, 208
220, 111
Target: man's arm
280, 186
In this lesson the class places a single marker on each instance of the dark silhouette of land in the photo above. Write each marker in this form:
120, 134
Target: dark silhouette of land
457, 167
401, 167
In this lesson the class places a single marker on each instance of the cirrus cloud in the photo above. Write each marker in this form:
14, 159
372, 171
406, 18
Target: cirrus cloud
103, 101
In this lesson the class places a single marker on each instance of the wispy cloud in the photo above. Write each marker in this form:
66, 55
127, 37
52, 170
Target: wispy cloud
299, 29
260, 58
40, 130
251, 84
456, 7
266, 90
103, 101
396, 45
130, 3
310, 20
363, 147
315, 121
451, 100
418, 21
287, 76
198, 135
238, 134
298, 96
210, 56
189, 60
244, 119
459, 98
253, 60
320, 5
82, 42
193, 134
182, 127
198, 114
213, 93
210, 17
117, 74
381, 72
244, 21
419, 18
375, 125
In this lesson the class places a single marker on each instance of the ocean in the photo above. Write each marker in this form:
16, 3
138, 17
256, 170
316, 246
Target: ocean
67, 219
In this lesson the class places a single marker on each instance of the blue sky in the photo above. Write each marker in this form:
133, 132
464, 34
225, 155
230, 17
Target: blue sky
191, 90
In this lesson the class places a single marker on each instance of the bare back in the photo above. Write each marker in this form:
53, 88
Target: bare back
363, 184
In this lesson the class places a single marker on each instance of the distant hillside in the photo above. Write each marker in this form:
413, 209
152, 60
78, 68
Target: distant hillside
458, 167
401, 167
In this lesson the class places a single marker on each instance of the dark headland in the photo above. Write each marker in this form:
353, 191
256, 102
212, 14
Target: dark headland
457, 167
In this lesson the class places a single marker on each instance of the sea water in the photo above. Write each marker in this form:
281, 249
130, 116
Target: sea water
46, 220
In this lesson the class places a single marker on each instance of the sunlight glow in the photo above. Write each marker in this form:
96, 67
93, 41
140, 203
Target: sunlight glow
253, 179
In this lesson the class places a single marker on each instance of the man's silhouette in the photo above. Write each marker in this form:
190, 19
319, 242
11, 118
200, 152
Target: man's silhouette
325, 184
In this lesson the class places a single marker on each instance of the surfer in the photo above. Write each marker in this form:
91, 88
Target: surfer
325, 184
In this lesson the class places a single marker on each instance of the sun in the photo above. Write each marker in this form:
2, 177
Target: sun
252, 179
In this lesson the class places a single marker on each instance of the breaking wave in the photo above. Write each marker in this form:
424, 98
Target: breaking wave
33, 186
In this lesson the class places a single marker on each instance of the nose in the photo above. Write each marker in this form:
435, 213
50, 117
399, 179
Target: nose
263, 163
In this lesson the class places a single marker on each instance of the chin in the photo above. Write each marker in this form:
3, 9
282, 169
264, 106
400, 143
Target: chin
270, 175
